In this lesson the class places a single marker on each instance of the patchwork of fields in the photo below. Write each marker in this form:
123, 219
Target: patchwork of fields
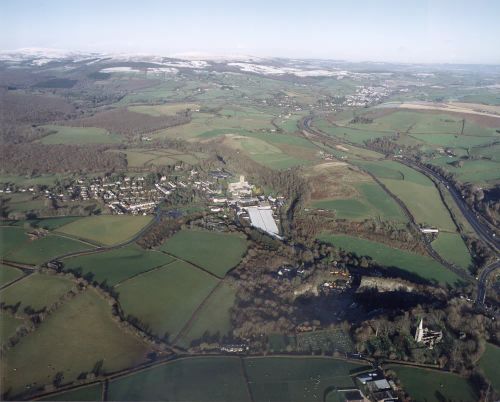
15, 245
72, 341
235, 379
158, 299
117, 265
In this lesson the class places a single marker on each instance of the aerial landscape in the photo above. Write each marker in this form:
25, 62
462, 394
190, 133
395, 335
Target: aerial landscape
218, 223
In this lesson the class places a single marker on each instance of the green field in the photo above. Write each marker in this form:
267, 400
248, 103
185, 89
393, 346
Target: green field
72, 340
221, 379
8, 326
41, 250
163, 109
52, 223
348, 134
203, 379
36, 290
296, 379
78, 135
489, 364
144, 157
478, 171
453, 249
213, 251
434, 386
11, 238
88, 393
8, 274
117, 265
214, 316
372, 202
106, 229
415, 190
166, 298
419, 265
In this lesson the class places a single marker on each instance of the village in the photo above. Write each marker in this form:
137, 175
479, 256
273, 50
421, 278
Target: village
141, 195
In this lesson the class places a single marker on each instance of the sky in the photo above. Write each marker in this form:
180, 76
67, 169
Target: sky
425, 31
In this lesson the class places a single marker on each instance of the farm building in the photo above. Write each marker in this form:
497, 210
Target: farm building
262, 218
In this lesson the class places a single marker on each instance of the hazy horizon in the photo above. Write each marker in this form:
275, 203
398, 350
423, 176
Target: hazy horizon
444, 31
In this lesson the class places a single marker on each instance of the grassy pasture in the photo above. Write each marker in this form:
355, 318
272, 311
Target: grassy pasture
486, 98
166, 298
78, 135
88, 393
10, 239
52, 223
214, 316
475, 171
453, 140
21, 180
202, 379
415, 122
43, 249
117, 265
434, 386
489, 364
9, 274
216, 252
492, 152
297, 379
164, 109
8, 326
418, 198
106, 229
415, 264
277, 151
415, 190
370, 202
452, 248
72, 340
143, 157
202, 123
351, 209
36, 290
349, 134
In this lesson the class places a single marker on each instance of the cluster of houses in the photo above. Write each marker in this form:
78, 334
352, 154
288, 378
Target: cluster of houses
376, 386
365, 96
